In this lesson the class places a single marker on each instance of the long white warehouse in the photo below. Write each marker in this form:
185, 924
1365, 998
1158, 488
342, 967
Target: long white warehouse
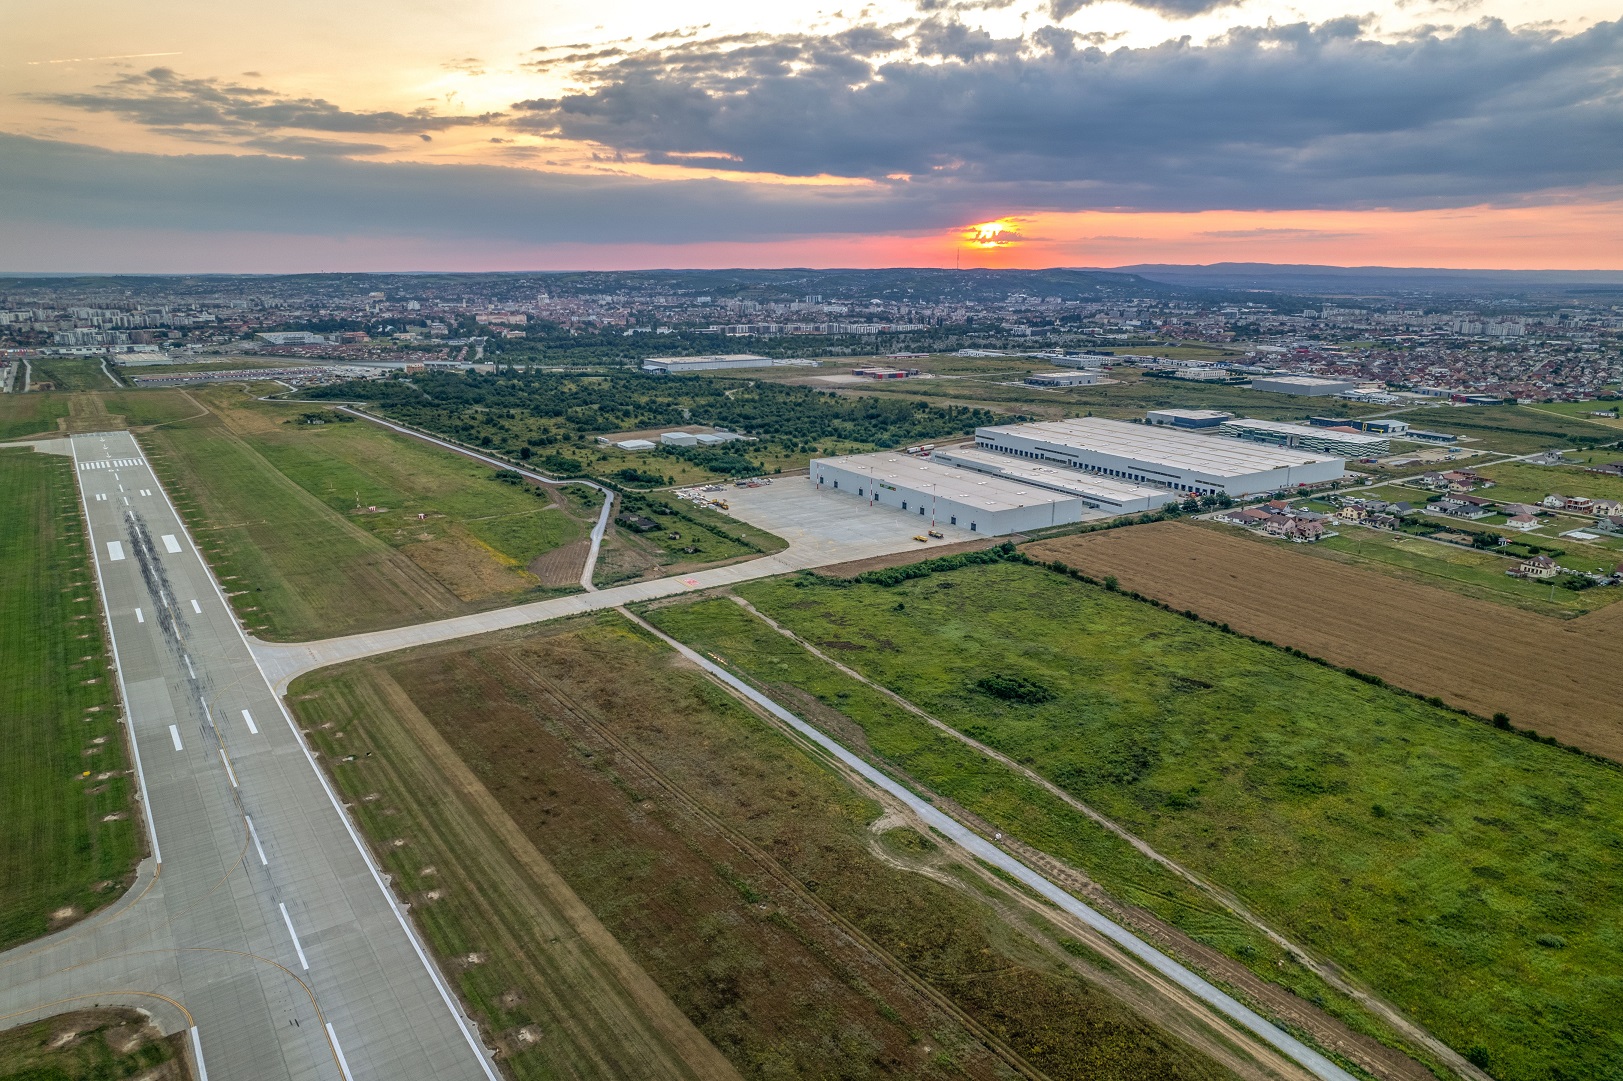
935, 492
1100, 493
1163, 457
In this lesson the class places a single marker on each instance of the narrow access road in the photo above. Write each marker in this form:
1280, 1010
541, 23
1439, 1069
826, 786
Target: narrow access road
977, 846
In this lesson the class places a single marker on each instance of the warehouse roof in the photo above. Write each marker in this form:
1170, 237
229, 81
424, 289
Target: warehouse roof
1343, 435
944, 481
1073, 481
1210, 454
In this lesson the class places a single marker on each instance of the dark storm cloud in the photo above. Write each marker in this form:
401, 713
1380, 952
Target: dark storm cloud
1263, 117
73, 185
216, 110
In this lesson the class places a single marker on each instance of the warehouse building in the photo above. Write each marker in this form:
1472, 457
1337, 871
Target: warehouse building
1160, 456
1062, 379
937, 493
1343, 441
1187, 418
1384, 425
680, 365
1312, 386
1099, 493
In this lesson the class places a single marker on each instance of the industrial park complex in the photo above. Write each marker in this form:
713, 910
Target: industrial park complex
1030, 476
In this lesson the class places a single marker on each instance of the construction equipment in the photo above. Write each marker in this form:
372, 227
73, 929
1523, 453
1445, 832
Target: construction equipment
937, 534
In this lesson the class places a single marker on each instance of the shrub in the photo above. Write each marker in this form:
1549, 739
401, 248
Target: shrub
1014, 689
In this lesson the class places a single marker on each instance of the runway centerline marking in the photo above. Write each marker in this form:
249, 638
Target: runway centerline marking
249, 717
174, 734
139, 618
115, 551
196, 607
263, 862
293, 935
229, 772
170, 544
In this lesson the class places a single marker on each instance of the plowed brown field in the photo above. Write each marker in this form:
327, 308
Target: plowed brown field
1556, 676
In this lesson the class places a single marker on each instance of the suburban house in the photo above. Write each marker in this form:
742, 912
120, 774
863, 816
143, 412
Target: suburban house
1605, 508
1300, 530
1569, 502
1455, 508
1536, 567
1523, 522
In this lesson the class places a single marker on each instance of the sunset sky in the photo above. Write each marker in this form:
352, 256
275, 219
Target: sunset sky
294, 135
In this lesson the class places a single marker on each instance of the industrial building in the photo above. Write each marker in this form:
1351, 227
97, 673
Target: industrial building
935, 492
1384, 425
1099, 493
1062, 379
1342, 441
1187, 418
680, 365
1309, 385
1161, 456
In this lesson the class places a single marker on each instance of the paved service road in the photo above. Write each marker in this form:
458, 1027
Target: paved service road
259, 922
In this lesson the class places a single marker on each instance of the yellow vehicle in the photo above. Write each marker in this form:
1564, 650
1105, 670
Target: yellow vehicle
923, 540
937, 534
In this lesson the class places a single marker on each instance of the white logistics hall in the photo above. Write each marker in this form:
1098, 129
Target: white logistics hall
1163, 457
938, 493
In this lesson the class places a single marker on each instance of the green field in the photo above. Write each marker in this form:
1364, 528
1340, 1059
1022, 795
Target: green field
284, 513
715, 536
90, 1045
143, 407
1463, 873
62, 761
1468, 571
71, 373
30, 414
1523, 482
1515, 429
738, 871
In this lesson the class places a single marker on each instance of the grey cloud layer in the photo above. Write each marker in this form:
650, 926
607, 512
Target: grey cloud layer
216, 111
1293, 116
56, 183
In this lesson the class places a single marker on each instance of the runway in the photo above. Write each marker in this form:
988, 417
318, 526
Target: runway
259, 922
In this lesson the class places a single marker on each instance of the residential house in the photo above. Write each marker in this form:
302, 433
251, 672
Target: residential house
1454, 508
1522, 522
1605, 508
1541, 567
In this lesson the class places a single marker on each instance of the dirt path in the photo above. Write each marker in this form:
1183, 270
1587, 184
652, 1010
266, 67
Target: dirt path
1556, 676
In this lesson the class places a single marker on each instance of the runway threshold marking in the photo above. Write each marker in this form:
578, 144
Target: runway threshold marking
263, 862
332, 1038
249, 717
115, 551
196, 607
170, 544
229, 772
174, 734
294, 935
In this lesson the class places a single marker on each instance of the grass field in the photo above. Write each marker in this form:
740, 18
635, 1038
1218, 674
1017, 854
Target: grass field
68, 842
717, 538
71, 373
31, 414
1466, 571
740, 875
275, 508
1460, 871
91, 1045
1522, 482
1484, 656
1517, 429
142, 407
